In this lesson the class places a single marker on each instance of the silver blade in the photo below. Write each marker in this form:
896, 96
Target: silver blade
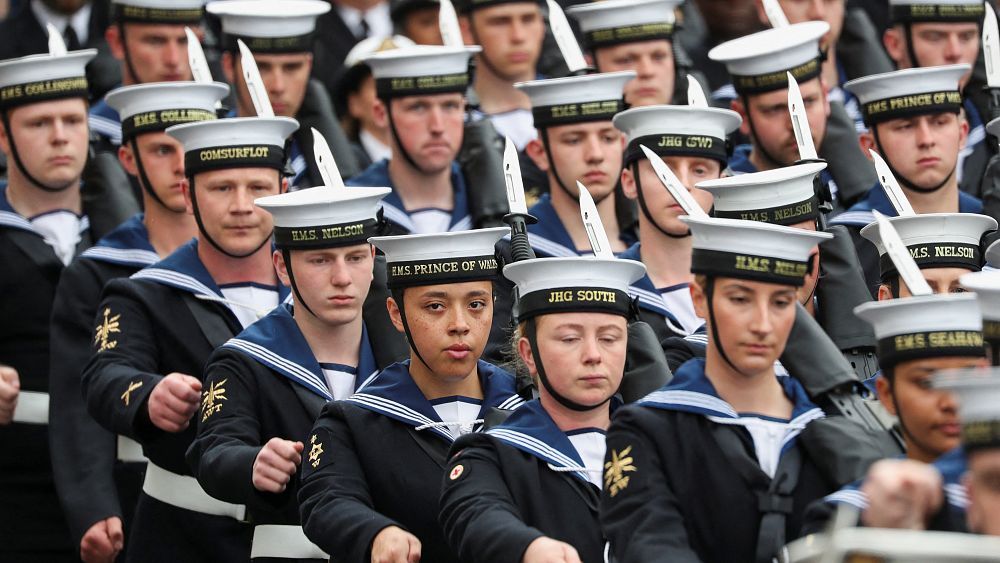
451, 33
908, 270
565, 39
774, 13
696, 96
196, 58
599, 242
991, 47
57, 46
892, 190
674, 185
512, 177
325, 162
800, 122
258, 94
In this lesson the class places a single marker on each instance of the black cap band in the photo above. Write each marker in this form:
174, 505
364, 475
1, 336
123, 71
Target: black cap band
463, 7
670, 144
421, 85
574, 300
442, 270
272, 45
609, 37
325, 236
777, 80
937, 13
236, 156
563, 114
991, 331
43, 91
767, 269
910, 105
160, 120
980, 435
930, 344
936, 255
781, 215
139, 14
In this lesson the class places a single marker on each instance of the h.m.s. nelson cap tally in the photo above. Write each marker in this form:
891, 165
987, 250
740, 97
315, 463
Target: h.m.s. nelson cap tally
759, 62
440, 258
421, 70
908, 92
239, 142
573, 285
324, 217
677, 131
576, 99
269, 27
783, 196
939, 11
173, 12
144, 108
935, 240
613, 22
42, 78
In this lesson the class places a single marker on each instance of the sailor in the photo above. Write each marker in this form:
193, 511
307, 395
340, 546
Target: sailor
43, 225
83, 453
723, 432
421, 101
576, 143
528, 489
634, 35
986, 284
155, 331
417, 20
277, 375
281, 36
370, 491
692, 141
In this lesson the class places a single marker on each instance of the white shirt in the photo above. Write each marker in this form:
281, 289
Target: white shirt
340, 379
249, 302
61, 230
590, 443
462, 411
377, 150
80, 21
379, 22
430, 220
768, 438
518, 124
677, 300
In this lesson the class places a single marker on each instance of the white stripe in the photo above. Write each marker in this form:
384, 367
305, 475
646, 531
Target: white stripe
463, 224
14, 220
848, 496
368, 380
109, 128
131, 256
401, 410
690, 398
861, 218
535, 445
549, 247
398, 216
172, 277
511, 403
727, 92
957, 495
305, 376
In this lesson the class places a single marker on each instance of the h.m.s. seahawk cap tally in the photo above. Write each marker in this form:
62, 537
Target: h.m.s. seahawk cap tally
938, 11
156, 106
613, 22
759, 62
238, 142
926, 326
573, 285
909, 92
751, 250
978, 394
677, 131
324, 217
42, 78
175, 12
287, 26
421, 70
576, 99
935, 240
783, 196
439, 258
986, 285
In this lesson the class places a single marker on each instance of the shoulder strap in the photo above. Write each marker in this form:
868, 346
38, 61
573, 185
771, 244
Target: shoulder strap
212, 325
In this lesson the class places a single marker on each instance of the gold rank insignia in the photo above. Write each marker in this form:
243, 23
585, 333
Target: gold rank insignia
211, 400
315, 452
615, 479
102, 337
127, 395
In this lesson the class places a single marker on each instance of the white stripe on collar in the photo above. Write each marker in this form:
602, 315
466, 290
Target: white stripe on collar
859, 218
851, 497
549, 247
511, 403
463, 224
656, 302
122, 255
388, 406
537, 446
11, 219
171, 277
398, 216
107, 127
795, 426
299, 373
691, 399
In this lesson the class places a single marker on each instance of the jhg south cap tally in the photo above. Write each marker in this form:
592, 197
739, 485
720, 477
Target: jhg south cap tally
677, 131
573, 285
156, 106
324, 217
421, 70
432, 259
908, 92
935, 240
287, 26
939, 11
759, 62
751, 250
576, 99
783, 196
174, 12
42, 78
926, 326
238, 142
613, 22
978, 394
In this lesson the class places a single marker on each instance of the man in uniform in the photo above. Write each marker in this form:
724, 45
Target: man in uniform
43, 225
156, 330
84, 454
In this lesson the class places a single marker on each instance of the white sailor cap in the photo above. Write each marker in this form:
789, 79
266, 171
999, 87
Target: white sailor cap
613, 22
925, 326
238, 142
324, 217
40, 78
759, 62
910, 11
159, 105
935, 240
978, 393
986, 285
852, 544
677, 131
573, 285
576, 99
371, 45
432, 259
908, 92
177, 12
783, 196
421, 70
751, 250
287, 26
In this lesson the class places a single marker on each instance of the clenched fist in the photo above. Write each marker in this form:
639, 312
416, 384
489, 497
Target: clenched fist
548, 550
395, 545
275, 465
173, 401
10, 388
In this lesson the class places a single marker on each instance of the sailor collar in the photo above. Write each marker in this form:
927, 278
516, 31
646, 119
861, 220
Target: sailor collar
12, 219
378, 175
276, 342
861, 213
393, 393
531, 430
549, 236
127, 245
649, 295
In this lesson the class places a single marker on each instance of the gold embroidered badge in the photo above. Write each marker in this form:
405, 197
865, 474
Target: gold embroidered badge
127, 395
211, 400
111, 325
315, 452
615, 479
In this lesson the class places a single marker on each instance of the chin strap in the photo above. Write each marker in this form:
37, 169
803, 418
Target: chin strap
4, 115
147, 186
208, 237
710, 295
287, 256
397, 296
645, 210
125, 53
759, 146
903, 179
531, 335
399, 141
